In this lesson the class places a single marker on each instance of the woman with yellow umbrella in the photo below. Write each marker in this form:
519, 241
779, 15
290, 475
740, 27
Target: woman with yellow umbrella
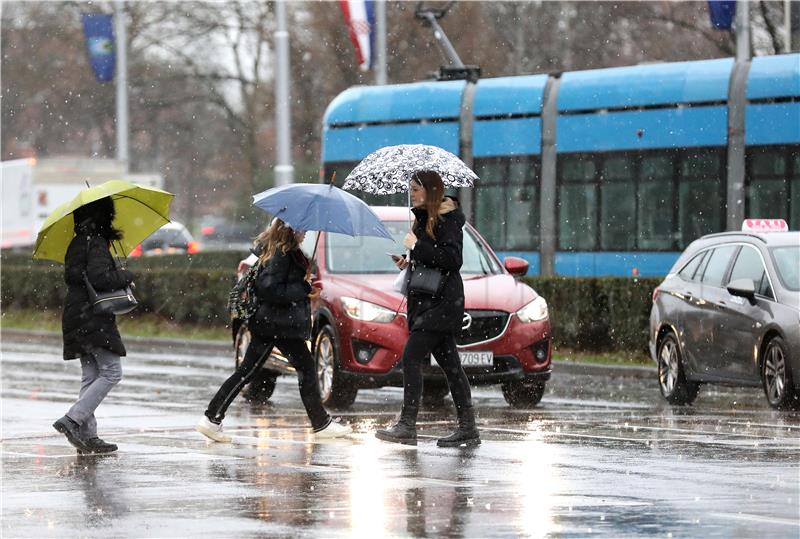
116, 215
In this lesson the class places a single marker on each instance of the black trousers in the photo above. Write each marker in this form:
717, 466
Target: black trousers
257, 353
421, 344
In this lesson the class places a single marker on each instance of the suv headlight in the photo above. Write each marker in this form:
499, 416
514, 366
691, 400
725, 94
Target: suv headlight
366, 311
534, 311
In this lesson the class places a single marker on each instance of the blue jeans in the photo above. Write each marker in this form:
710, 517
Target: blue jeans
102, 370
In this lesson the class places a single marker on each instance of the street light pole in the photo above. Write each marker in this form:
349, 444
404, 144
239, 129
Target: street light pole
742, 31
284, 170
380, 42
121, 48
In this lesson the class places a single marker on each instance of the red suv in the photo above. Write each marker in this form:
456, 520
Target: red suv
359, 322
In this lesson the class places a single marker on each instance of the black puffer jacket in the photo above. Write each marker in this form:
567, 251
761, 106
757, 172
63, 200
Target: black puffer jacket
83, 329
284, 309
444, 312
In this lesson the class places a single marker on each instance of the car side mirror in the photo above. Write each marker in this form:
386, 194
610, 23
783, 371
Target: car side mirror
744, 288
515, 265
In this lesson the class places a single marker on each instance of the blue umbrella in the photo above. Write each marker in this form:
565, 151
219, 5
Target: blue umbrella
317, 206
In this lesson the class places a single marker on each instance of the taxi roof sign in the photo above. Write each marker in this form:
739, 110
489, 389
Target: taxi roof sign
765, 225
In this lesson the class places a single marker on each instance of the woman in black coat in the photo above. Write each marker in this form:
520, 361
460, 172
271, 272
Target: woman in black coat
283, 319
435, 241
92, 337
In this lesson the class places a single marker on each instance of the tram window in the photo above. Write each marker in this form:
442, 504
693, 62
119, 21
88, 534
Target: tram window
655, 222
577, 169
699, 194
794, 200
657, 167
767, 199
505, 202
522, 205
617, 204
342, 169
767, 190
489, 206
577, 203
577, 228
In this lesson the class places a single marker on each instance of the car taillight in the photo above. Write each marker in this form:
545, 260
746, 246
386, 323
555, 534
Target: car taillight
137, 251
656, 292
193, 247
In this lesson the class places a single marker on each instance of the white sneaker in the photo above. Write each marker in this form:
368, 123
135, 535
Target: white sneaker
333, 430
212, 430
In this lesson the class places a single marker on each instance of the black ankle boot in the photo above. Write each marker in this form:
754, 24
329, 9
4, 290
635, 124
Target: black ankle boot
404, 431
466, 434
98, 447
72, 431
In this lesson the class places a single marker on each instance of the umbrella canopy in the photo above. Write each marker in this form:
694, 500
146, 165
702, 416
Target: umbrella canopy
317, 206
139, 211
389, 169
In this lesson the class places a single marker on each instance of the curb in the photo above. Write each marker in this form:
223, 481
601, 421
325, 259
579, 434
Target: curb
207, 347
593, 369
134, 343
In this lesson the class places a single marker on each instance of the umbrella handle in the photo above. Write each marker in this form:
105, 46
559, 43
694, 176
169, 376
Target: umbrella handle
313, 254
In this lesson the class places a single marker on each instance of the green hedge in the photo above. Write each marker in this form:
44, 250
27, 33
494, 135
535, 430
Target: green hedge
221, 260
588, 314
183, 295
598, 314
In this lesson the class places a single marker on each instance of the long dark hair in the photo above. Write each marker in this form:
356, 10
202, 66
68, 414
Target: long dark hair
277, 235
98, 217
434, 191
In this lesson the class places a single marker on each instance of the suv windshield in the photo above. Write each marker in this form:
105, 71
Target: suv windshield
787, 261
367, 254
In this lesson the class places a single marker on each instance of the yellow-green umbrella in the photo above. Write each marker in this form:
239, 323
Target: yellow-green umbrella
139, 211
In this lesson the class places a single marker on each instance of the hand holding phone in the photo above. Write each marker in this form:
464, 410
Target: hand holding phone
394, 256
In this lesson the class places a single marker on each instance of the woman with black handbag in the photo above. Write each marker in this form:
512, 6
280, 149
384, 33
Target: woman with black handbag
89, 334
283, 292
435, 294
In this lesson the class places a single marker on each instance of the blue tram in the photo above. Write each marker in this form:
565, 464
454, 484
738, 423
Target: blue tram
600, 172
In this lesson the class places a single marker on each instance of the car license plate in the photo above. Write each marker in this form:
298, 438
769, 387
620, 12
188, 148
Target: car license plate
473, 359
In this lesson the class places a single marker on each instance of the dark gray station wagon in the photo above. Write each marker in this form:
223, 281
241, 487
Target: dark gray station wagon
729, 313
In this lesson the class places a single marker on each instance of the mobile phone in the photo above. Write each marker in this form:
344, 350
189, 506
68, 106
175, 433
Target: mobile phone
394, 256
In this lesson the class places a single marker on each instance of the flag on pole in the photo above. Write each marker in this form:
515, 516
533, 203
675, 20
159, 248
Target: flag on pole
99, 31
722, 13
359, 15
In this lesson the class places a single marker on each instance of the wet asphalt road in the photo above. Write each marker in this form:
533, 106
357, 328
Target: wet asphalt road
601, 456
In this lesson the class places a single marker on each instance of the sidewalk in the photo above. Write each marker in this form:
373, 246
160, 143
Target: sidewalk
205, 347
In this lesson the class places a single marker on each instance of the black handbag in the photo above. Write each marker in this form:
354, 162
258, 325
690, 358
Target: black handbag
114, 302
424, 280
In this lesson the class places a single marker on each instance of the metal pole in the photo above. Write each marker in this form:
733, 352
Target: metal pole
122, 84
441, 37
742, 31
787, 25
380, 42
284, 171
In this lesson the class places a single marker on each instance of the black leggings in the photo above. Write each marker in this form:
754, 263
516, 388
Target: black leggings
419, 347
257, 353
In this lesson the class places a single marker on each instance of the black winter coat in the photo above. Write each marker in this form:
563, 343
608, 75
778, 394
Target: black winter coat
81, 327
284, 309
445, 312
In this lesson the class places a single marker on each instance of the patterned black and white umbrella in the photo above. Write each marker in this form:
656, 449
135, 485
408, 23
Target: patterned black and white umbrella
389, 169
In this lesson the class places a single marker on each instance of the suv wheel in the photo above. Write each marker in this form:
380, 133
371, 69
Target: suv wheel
521, 394
334, 388
671, 378
262, 385
776, 376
